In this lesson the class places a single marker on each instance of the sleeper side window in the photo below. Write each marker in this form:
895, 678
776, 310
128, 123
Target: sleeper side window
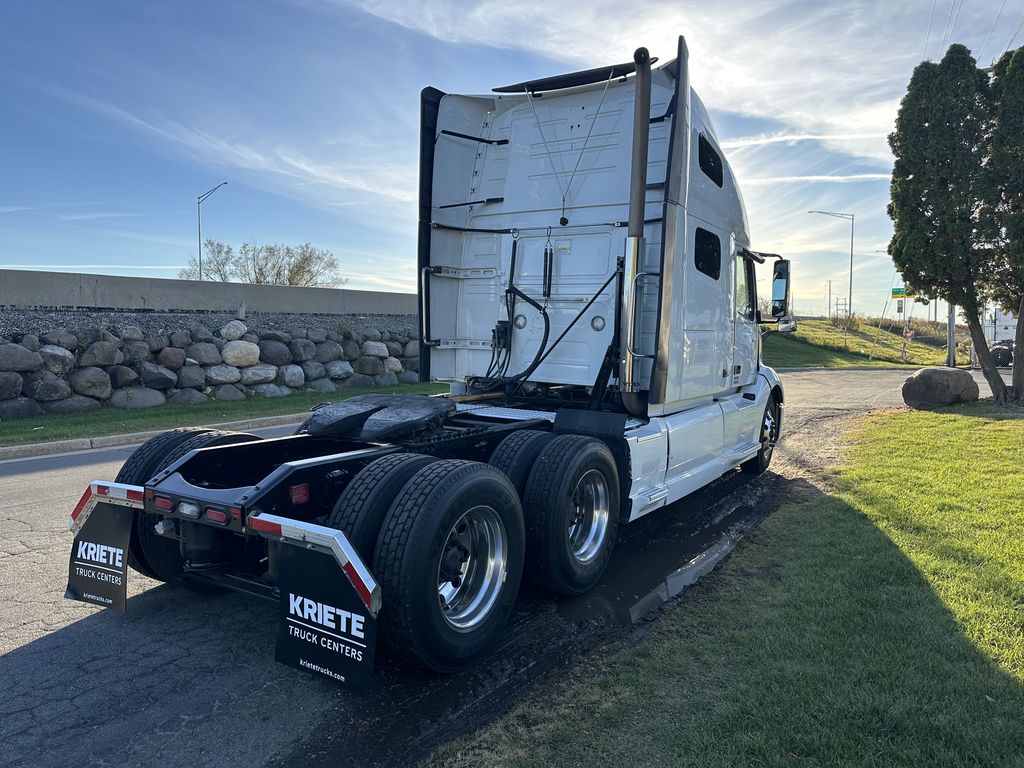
710, 160
707, 253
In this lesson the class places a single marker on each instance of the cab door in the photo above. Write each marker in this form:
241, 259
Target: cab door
746, 335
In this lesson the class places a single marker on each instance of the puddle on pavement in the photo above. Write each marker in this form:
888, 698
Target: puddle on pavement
655, 559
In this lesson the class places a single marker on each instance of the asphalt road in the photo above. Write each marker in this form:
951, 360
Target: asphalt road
188, 678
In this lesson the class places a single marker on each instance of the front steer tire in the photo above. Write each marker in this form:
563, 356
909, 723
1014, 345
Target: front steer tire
571, 508
443, 514
769, 436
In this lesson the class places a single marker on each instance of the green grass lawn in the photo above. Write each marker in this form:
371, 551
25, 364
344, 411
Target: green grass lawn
817, 343
881, 625
111, 421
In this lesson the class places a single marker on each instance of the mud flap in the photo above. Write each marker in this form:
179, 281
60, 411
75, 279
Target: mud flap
325, 627
98, 567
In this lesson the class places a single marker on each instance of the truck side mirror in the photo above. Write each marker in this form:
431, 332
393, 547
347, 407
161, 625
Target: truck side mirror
780, 289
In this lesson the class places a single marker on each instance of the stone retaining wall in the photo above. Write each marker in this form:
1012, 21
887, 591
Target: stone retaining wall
61, 371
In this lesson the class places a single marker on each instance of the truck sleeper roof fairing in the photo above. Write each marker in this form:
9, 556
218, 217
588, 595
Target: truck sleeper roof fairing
524, 197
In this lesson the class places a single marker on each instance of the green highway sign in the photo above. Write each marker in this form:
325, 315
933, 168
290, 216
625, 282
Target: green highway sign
899, 293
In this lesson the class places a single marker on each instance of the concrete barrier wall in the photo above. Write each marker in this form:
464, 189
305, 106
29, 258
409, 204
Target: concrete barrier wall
27, 289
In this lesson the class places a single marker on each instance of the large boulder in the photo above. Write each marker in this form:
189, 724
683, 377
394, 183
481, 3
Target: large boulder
338, 369
411, 363
274, 352
228, 392
326, 351
188, 397
936, 387
73, 404
121, 376
137, 397
316, 335
262, 373
392, 365
10, 384
322, 385
131, 333
234, 330
311, 369
191, 376
350, 348
408, 377
412, 349
394, 348
181, 339
297, 332
374, 349
92, 382
57, 359
386, 379
30, 342
159, 341
271, 390
19, 408
372, 334
369, 366
60, 338
157, 377
136, 352
45, 385
201, 333
302, 350
290, 376
14, 357
358, 381
222, 374
281, 336
101, 353
92, 335
240, 354
204, 353
171, 357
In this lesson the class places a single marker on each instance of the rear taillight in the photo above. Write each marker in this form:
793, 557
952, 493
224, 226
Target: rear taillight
163, 503
216, 515
299, 493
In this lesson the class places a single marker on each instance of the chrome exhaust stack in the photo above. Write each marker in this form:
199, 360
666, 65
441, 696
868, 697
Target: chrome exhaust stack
632, 266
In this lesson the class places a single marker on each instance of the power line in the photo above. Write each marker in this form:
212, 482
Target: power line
1014, 35
928, 34
950, 23
993, 29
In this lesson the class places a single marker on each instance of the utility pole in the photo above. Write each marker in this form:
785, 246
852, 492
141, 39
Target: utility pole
849, 300
951, 337
829, 300
199, 222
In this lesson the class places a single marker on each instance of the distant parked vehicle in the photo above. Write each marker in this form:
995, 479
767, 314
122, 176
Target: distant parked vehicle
1002, 353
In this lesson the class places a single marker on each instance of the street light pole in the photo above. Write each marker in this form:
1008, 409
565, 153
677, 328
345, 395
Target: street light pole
199, 222
849, 300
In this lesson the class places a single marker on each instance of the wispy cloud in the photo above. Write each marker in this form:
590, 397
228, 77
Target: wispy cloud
371, 175
811, 179
51, 267
787, 138
91, 216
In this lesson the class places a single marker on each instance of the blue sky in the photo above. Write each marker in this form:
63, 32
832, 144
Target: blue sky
116, 115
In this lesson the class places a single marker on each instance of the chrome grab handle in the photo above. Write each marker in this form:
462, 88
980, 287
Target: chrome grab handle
632, 317
424, 308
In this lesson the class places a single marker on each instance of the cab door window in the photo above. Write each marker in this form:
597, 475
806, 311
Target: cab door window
746, 299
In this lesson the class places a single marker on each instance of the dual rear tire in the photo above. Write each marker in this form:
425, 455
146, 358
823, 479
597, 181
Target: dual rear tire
450, 538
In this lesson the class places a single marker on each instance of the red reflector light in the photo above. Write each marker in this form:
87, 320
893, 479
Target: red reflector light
134, 495
256, 524
216, 515
236, 512
163, 503
102, 490
299, 493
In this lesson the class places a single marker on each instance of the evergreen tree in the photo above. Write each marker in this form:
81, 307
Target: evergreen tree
1005, 202
938, 179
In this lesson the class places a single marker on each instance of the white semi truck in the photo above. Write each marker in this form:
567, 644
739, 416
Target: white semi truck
587, 291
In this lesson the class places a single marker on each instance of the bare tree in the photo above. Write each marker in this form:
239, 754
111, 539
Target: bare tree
272, 264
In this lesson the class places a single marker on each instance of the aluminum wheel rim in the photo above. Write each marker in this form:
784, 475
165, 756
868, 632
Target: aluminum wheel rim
471, 571
769, 431
588, 516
